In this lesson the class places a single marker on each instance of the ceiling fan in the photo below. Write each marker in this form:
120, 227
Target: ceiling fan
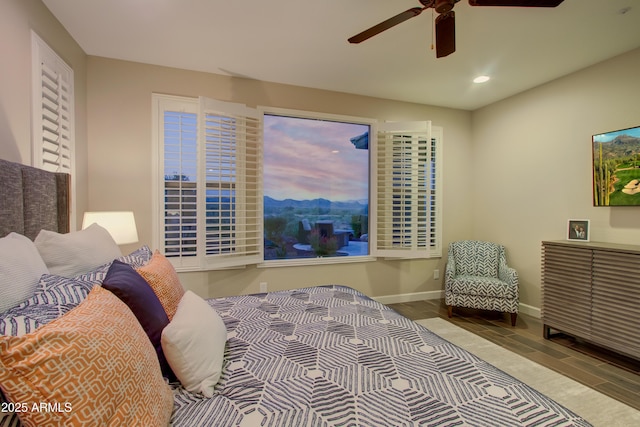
445, 22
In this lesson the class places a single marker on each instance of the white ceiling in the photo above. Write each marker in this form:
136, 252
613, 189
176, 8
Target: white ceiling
304, 43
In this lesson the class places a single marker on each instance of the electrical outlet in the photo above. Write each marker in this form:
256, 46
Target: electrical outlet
436, 274
263, 286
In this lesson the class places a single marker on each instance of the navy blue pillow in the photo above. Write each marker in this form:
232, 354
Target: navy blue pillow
128, 285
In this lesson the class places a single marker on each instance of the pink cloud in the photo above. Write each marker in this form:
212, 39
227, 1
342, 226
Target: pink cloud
306, 159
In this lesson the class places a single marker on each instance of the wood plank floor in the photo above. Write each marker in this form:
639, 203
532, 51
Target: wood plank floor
604, 371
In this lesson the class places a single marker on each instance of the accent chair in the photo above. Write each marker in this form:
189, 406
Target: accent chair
477, 276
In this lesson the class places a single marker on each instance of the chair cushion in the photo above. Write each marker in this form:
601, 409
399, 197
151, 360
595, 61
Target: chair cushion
482, 286
474, 258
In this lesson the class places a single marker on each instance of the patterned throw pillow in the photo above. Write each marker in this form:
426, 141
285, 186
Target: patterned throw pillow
55, 295
27, 318
125, 283
57, 290
135, 259
164, 281
86, 370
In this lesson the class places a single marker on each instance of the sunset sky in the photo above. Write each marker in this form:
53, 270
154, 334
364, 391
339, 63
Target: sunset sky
306, 159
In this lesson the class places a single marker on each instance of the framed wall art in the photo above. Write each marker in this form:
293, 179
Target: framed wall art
616, 168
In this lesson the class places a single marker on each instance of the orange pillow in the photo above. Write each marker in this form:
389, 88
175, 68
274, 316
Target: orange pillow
163, 279
81, 369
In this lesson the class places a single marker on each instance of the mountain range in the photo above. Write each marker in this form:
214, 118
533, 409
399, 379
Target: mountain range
353, 205
620, 146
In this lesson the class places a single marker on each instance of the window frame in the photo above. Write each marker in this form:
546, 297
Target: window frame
372, 123
160, 104
201, 262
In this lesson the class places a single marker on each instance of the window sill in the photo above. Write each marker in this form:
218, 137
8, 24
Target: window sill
286, 263
316, 261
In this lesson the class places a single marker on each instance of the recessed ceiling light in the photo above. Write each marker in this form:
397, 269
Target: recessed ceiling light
481, 79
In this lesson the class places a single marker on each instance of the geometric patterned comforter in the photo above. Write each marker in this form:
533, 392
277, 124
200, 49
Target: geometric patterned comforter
330, 356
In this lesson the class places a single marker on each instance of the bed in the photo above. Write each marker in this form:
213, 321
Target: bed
312, 356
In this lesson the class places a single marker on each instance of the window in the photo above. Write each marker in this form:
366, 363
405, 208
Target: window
316, 186
53, 120
231, 145
53, 115
221, 192
180, 178
208, 157
408, 182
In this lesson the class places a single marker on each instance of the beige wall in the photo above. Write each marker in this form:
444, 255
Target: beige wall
120, 169
514, 171
532, 163
17, 19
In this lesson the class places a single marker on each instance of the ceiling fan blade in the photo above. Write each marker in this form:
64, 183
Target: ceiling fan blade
445, 34
516, 3
385, 25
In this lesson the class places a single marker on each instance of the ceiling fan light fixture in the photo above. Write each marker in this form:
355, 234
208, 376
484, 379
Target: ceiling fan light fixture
444, 6
481, 79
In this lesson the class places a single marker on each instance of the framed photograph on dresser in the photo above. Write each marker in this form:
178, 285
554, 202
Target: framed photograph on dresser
578, 230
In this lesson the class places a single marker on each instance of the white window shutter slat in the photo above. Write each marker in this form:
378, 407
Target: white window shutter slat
52, 110
231, 137
407, 212
211, 204
52, 114
179, 217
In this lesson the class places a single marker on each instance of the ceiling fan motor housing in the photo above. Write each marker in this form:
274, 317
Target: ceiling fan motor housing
444, 6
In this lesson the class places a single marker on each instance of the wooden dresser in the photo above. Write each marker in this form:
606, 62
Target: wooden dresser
591, 290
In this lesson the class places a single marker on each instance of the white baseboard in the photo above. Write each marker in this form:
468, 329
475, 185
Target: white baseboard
421, 296
530, 310
415, 296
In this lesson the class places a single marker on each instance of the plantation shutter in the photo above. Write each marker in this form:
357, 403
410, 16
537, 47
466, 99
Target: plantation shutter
180, 178
53, 110
230, 137
407, 187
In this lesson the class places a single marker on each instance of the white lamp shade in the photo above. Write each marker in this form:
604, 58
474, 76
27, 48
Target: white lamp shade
121, 225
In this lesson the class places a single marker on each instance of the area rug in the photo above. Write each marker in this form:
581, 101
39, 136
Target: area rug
593, 406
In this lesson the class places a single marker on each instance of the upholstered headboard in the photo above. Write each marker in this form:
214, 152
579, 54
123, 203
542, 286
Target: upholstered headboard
32, 199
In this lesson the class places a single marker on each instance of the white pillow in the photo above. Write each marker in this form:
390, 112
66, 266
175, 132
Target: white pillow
193, 343
78, 252
20, 269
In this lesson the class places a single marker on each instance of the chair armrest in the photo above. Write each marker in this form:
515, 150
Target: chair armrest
450, 270
508, 275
